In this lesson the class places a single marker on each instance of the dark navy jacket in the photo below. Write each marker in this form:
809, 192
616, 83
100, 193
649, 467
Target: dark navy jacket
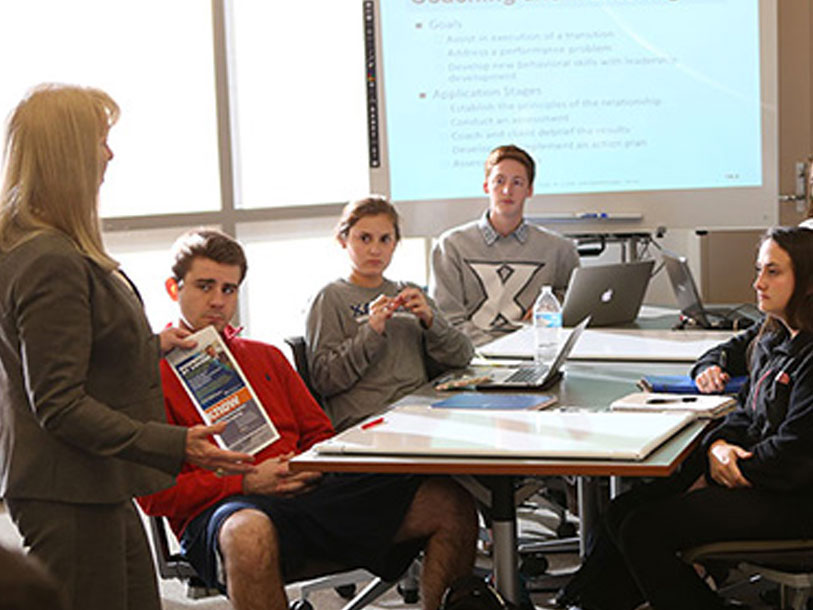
775, 416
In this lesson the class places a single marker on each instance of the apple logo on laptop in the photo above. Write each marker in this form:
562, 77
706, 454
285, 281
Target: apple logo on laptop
607, 295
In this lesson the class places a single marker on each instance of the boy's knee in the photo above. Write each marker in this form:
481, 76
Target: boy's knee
454, 505
454, 492
439, 506
248, 536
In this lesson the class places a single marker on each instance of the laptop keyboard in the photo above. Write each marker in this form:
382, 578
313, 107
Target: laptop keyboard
527, 374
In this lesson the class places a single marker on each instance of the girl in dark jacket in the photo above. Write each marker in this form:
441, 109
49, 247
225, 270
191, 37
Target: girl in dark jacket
751, 477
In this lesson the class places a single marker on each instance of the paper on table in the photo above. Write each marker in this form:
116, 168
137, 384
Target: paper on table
702, 405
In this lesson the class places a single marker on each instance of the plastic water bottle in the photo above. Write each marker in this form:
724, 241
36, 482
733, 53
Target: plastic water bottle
547, 326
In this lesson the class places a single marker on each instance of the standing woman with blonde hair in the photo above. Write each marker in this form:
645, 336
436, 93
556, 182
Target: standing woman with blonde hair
82, 425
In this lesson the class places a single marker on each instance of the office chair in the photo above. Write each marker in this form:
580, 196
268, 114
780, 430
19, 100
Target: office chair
299, 349
316, 575
789, 563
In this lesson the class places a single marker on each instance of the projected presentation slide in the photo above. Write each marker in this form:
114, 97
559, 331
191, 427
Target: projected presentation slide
607, 95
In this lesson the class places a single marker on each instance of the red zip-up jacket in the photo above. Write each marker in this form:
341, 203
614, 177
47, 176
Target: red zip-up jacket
297, 416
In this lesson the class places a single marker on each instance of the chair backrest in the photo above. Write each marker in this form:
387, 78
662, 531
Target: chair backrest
174, 565
170, 565
299, 349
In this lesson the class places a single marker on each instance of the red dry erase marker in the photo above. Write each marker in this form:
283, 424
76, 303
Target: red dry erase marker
374, 422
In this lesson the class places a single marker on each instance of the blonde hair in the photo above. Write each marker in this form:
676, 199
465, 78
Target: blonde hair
52, 167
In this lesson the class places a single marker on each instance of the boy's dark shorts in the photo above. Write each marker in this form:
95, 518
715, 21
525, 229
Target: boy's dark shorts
349, 519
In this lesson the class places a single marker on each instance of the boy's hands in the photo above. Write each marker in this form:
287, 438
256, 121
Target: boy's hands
273, 477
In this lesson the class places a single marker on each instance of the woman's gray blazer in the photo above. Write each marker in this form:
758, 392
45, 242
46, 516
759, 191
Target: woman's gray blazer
81, 409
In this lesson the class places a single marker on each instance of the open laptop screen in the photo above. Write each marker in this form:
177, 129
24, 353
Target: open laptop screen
610, 294
686, 293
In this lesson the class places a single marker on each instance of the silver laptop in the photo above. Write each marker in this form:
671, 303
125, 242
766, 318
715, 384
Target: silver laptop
610, 294
533, 376
688, 297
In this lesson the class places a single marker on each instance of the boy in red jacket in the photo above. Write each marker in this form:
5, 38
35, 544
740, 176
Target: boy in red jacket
246, 533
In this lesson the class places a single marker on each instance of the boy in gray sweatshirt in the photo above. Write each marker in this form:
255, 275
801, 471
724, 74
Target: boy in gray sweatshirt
487, 273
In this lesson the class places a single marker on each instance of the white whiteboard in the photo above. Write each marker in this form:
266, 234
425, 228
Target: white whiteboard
542, 434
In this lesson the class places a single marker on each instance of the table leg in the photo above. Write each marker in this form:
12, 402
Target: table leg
504, 530
615, 486
589, 508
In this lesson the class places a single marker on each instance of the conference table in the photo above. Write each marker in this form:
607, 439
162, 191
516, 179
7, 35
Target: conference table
648, 339
587, 387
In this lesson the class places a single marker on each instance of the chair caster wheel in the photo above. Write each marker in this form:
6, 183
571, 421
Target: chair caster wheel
534, 565
346, 591
410, 595
301, 604
566, 529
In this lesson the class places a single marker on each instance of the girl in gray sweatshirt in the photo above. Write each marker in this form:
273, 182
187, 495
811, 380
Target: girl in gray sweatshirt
369, 338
